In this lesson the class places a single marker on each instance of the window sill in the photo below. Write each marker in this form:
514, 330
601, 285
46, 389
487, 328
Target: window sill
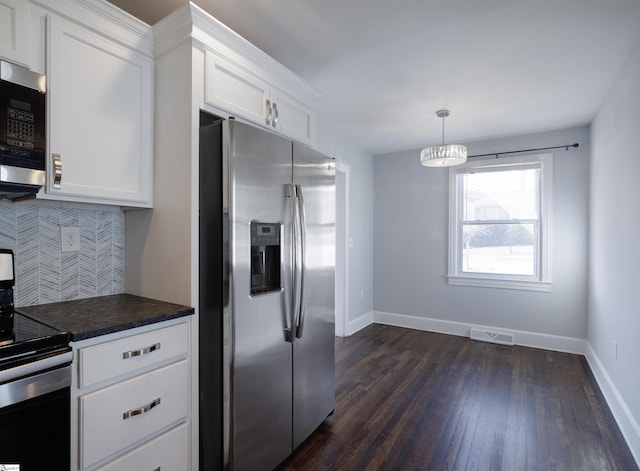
541, 286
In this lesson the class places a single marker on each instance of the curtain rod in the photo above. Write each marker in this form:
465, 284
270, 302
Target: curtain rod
566, 147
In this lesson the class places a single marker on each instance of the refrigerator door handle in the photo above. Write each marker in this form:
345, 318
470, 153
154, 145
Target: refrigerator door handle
303, 242
291, 192
298, 262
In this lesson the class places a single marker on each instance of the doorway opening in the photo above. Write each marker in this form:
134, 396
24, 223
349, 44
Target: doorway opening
342, 248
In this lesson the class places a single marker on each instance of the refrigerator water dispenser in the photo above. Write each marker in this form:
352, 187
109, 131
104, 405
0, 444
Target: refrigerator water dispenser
265, 257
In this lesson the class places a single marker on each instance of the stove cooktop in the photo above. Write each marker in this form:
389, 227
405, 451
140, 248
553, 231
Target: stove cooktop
30, 339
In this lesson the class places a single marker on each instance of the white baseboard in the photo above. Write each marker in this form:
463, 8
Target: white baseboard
628, 424
520, 337
360, 323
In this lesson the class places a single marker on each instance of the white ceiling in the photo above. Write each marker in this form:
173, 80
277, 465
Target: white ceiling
503, 67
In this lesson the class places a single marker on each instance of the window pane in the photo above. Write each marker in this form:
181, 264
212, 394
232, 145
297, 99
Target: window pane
506, 249
501, 195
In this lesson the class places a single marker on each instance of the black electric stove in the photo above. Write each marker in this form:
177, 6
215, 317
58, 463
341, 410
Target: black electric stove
35, 385
35, 394
30, 340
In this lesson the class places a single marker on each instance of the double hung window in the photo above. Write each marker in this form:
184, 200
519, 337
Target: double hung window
500, 223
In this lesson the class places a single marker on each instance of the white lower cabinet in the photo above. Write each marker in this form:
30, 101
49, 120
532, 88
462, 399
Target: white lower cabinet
133, 414
168, 452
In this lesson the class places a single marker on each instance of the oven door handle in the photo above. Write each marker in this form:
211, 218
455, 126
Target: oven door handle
35, 367
29, 387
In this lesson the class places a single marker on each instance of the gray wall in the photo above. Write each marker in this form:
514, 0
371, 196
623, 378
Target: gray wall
614, 256
411, 244
44, 273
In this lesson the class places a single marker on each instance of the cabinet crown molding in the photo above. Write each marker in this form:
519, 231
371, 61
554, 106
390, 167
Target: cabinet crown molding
120, 25
191, 23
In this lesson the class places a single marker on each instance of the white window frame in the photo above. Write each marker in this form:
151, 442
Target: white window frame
541, 281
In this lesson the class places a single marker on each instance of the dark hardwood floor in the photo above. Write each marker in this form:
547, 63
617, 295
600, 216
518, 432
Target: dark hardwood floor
413, 400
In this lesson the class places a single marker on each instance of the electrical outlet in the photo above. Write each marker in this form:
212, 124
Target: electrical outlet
70, 239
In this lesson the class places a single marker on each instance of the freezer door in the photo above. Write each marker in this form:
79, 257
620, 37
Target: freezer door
261, 385
314, 347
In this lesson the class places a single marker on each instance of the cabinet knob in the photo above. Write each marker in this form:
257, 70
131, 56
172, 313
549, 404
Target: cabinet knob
57, 170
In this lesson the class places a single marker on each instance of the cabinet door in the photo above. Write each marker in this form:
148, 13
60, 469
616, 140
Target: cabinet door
294, 118
14, 31
236, 90
100, 118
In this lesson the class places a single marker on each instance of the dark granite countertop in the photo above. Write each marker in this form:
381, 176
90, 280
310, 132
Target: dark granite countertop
91, 317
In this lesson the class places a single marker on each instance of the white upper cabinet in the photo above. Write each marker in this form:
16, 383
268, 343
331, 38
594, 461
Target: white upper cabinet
292, 117
235, 90
14, 31
243, 93
100, 118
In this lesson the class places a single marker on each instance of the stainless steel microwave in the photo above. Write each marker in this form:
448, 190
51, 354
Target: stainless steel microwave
22, 131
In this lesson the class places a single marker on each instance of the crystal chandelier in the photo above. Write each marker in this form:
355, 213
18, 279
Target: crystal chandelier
443, 155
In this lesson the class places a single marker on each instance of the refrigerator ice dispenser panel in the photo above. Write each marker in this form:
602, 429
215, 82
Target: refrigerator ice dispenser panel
265, 257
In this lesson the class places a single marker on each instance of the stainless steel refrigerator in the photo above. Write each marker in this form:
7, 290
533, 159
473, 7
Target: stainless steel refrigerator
266, 310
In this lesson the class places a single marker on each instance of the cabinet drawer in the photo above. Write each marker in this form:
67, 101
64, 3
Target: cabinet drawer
168, 452
110, 359
117, 416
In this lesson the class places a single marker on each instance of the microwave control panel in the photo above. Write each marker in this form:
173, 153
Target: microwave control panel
22, 126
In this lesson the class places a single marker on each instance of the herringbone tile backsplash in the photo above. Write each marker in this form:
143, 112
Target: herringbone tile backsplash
44, 273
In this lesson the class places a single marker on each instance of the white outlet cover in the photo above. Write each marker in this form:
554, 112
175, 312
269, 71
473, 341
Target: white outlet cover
70, 239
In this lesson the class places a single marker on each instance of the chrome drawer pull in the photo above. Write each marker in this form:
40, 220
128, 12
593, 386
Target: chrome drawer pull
143, 410
142, 351
157, 469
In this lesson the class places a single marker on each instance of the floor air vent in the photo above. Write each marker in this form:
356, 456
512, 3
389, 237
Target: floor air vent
493, 337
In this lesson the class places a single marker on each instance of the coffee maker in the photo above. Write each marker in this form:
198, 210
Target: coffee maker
7, 280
